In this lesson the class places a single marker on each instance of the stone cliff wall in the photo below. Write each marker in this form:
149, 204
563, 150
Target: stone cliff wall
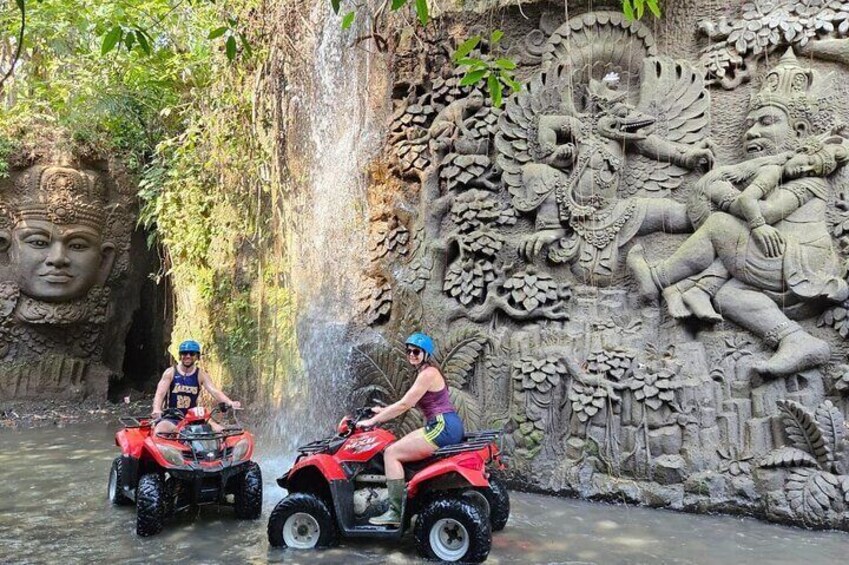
637, 265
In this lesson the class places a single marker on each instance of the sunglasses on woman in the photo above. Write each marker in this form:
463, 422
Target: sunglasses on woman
415, 351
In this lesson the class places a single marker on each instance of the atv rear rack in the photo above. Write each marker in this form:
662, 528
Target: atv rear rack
471, 442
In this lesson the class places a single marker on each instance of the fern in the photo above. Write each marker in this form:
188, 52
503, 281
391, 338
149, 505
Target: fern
803, 432
830, 423
468, 409
788, 457
462, 352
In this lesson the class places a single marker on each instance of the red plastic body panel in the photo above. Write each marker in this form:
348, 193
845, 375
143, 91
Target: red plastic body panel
140, 443
364, 446
475, 477
327, 465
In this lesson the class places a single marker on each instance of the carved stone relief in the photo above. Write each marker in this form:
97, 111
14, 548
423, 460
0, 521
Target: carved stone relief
64, 239
656, 322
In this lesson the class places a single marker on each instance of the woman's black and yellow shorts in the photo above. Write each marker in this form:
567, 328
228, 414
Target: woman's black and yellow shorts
444, 429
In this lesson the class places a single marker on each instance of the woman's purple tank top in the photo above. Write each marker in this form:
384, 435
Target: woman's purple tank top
435, 403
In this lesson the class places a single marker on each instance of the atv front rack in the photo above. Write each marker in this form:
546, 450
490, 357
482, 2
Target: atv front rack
318, 446
200, 436
471, 442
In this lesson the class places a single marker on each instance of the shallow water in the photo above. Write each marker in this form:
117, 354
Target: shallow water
53, 509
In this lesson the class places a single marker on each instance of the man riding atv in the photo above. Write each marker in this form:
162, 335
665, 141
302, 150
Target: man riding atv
180, 387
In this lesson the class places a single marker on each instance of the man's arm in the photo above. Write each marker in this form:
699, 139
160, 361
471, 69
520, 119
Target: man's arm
206, 382
162, 391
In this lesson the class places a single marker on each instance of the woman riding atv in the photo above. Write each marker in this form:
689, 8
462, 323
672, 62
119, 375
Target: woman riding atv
443, 426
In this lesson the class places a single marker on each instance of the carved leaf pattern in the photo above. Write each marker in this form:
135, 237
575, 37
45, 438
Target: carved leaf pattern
830, 422
802, 430
837, 317
812, 494
468, 408
462, 353
788, 457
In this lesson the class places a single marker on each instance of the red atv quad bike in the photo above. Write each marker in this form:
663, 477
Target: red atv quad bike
338, 483
192, 466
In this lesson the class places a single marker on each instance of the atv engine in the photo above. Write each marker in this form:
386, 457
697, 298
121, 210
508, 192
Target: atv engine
370, 501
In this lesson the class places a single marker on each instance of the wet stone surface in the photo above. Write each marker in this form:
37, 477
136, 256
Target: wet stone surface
53, 508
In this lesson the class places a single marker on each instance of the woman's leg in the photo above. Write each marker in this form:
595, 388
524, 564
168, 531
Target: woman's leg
411, 447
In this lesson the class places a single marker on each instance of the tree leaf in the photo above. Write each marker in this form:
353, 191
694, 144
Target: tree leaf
628, 10
111, 39
231, 48
466, 47
397, 4
422, 11
473, 77
494, 87
336, 4
654, 7
142, 40
129, 40
496, 37
217, 32
472, 63
506, 64
348, 20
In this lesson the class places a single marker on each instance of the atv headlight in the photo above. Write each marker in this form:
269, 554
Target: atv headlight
172, 455
240, 449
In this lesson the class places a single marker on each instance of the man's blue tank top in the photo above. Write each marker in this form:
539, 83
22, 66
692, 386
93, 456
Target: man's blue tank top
184, 391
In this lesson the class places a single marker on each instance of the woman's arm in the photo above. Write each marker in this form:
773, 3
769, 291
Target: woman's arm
420, 387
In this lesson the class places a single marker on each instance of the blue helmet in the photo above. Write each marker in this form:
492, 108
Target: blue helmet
189, 346
422, 341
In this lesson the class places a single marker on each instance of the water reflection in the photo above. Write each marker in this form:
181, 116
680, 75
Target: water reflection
53, 509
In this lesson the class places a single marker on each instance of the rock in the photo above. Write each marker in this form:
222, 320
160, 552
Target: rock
665, 441
669, 469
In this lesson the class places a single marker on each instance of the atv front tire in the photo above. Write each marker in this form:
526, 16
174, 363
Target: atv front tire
248, 495
453, 529
150, 505
302, 521
116, 484
499, 503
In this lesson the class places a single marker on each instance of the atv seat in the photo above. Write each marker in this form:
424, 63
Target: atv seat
472, 441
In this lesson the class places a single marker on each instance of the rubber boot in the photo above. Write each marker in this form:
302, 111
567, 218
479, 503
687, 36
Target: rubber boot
392, 517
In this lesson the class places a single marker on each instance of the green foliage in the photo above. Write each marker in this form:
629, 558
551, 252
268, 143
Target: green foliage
419, 6
635, 9
495, 74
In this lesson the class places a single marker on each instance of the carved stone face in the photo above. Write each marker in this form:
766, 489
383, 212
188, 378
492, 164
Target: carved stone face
58, 263
769, 132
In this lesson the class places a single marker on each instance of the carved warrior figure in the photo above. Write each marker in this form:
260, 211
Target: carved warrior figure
576, 143
764, 262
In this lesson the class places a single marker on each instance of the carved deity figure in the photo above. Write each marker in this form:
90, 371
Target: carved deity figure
764, 256
575, 147
56, 247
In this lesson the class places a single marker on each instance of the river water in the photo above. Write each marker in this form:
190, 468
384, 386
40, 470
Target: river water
53, 509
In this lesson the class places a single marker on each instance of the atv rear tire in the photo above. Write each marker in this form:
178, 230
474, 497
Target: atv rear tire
499, 503
115, 490
150, 505
248, 495
453, 529
302, 521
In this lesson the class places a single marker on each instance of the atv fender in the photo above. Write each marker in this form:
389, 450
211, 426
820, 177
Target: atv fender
131, 442
326, 465
448, 469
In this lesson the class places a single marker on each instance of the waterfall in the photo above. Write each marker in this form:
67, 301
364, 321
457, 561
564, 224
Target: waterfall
328, 236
